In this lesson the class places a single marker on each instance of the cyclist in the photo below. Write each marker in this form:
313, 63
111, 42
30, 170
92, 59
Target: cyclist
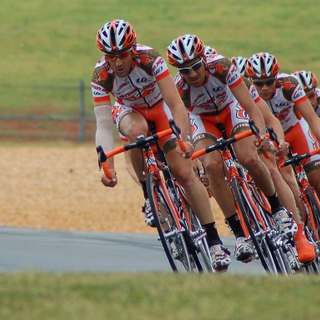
309, 83
283, 93
214, 93
138, 78
285, 183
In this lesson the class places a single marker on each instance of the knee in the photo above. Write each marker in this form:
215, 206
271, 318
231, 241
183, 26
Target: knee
214, 168
274, 172
184, 175
250, 161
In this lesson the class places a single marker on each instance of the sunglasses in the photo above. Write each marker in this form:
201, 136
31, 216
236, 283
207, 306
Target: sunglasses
262, 83
196, 66
121, 56
311, 95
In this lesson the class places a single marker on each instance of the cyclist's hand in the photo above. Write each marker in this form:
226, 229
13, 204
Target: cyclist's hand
263, 144
283, 148
110, 182
189, 150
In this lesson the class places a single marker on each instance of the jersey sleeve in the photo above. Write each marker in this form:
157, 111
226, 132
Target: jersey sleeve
160, 68
292, 90
233, 76
99, 94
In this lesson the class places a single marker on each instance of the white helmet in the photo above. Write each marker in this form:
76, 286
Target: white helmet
184, 48
116, 35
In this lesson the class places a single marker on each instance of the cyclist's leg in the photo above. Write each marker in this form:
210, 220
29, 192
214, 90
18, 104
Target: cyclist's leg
128, 160
314, 177
302, 140
131, 124
285, 195
289, 178
247, 154
204, 134
198, 199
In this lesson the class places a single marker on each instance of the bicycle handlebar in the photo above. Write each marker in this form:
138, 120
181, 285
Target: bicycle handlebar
294, 159
139, 143
222, 144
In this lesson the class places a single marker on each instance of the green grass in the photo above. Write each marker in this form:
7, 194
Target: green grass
157, 296
47, 43
52, 43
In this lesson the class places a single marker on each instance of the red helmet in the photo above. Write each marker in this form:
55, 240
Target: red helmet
184, 48
262, 65
116, 35
307, 79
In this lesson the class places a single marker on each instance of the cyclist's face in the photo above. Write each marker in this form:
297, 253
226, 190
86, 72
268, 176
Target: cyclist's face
265, 87
194, 72
312, 97
122, 65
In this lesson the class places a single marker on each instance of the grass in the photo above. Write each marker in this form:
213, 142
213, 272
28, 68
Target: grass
53, 43
157, 296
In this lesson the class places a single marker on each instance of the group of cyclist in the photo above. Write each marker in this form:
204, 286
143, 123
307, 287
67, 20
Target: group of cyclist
209, 91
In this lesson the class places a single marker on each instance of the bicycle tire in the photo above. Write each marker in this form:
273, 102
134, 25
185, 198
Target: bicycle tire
259, 241
196, 236
280, 249
167, 226
314, 205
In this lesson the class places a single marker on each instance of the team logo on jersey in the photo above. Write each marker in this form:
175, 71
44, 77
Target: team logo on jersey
281, 104
283, 114
298, 93
102, 75
233, 75
142, 80
241, 113
194, 126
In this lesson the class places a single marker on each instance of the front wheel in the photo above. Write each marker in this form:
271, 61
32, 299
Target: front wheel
169, 229
256, 232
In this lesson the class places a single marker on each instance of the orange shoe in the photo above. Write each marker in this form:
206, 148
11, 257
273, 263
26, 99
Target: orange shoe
306, 250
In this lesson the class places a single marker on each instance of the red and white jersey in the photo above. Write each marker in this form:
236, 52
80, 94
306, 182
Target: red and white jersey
139, 89
252, 90
288, 93
317, 110
215, 95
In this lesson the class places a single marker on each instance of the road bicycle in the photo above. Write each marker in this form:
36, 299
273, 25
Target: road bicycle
252, 207
308, 197
180, 232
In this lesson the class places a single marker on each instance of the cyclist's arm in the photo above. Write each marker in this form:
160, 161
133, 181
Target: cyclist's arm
310, 116
272, 121
104, 136
243, 96
172, 98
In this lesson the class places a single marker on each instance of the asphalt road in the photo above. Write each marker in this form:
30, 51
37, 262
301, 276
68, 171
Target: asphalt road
23, 249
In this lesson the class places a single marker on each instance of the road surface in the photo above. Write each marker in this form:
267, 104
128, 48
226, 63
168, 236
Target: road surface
24, 249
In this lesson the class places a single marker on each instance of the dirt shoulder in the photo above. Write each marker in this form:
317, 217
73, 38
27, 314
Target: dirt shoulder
57, 186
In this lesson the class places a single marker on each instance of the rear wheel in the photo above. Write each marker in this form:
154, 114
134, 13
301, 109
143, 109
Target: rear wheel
170, 234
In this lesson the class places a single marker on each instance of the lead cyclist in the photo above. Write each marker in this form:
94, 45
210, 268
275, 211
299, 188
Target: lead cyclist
138, 78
